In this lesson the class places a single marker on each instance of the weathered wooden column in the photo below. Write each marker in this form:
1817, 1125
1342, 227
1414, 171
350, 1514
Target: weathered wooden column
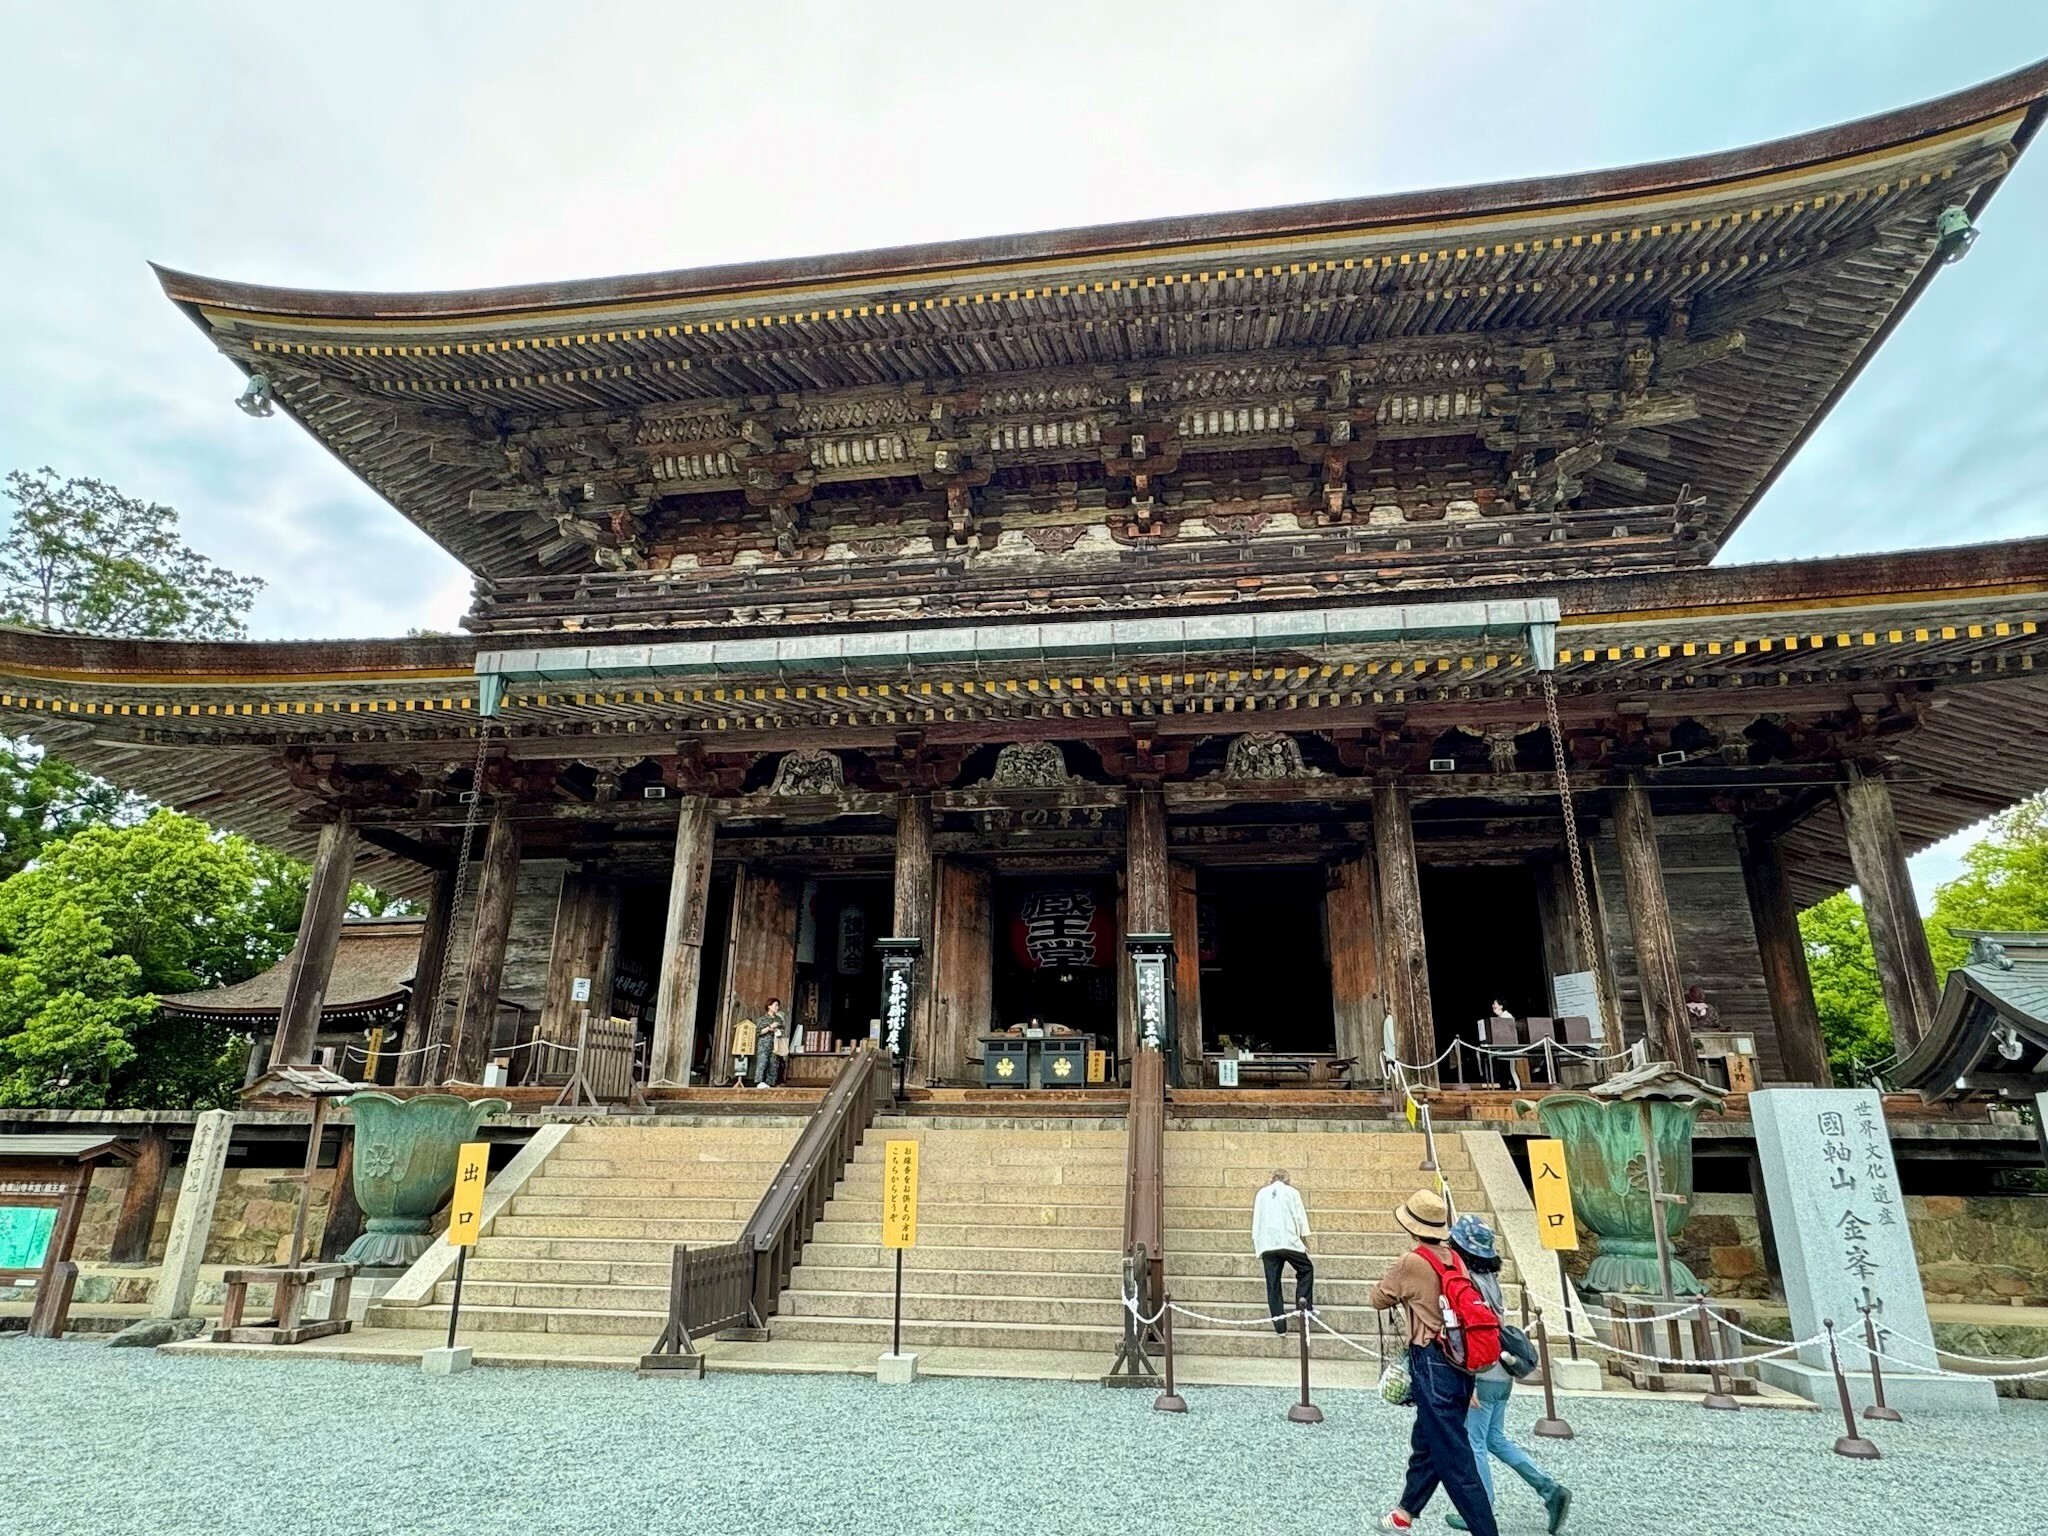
476, 1011
913, 919
423, 1005
312, 960
140, 1199
1147, 897
760, 956
1801, 1045
961, 967
344, 1223
1354, 963
1649, 916
1405, 967
682, 946
1905, 967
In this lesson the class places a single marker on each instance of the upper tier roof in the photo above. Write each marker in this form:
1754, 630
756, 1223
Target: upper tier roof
1677, 327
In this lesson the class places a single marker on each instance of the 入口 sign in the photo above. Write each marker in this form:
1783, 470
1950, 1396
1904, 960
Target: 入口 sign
1552, 1190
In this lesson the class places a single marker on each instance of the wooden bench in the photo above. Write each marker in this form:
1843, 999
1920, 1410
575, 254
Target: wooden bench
291, 1283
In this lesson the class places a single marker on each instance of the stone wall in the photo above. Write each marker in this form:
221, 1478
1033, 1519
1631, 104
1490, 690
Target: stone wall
253, 1216
1980, 1249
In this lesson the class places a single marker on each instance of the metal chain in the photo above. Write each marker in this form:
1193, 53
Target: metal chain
1571, 819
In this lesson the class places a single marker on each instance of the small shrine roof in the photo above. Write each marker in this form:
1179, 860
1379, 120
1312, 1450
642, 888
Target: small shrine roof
374, 963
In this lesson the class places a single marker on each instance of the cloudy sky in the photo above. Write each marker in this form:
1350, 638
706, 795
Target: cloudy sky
447, 144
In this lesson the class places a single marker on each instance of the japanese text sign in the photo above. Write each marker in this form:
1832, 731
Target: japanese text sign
1555, 1223
466, 1209
899, 1194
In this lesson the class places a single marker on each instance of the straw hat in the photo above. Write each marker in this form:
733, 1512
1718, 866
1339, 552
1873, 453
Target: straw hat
1425, 1214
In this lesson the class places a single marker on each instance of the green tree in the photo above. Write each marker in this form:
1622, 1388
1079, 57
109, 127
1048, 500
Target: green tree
1846, 993
103, 922
79, 555
2003, 886
43, 799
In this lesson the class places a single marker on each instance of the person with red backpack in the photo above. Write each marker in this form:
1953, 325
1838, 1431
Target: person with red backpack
1452, 1334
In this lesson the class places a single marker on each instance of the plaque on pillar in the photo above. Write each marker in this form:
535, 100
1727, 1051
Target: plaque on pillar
1844, 1244
1152, 988
899, 986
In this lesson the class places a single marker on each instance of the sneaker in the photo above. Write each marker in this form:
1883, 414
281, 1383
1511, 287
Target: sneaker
1558, 1502
1456, 1521
1396, 1521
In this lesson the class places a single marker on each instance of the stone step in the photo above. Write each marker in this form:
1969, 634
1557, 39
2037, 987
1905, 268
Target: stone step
708, 1186
635, 1207
1014, 1212
991, 1184
1050, 1311
484, 1319
1321, 1220
755, 1171
695, 1232
1103, 1283
752, 1131
951, 1235
936, 1259
875, 1332
556, 1298
1185, 1240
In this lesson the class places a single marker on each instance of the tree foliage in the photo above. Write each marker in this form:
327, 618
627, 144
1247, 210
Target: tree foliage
1846, 994
2003, 886
103, 922
79, 555
43, 800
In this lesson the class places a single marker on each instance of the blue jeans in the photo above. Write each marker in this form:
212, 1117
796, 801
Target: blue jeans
1486, 1428
1440, 1451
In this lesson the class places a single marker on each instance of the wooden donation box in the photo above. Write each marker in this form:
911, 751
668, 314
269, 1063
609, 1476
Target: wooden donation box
1035, 1061
43, 1181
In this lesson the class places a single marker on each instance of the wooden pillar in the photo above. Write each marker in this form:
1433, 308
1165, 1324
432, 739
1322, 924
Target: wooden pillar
312, 960
1405, 967
140, 1199
962, 968
762, 956
1649, 916
682, 946
1348, 919
1147, 884
586, 944
423, 1003
476, 1012
1185, 903
1905, 968
915, 876
1776, 918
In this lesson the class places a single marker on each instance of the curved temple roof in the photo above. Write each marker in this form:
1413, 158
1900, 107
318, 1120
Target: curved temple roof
1678, 327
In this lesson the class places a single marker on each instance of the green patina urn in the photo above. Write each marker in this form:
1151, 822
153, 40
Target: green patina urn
1603, 1153
405, 1167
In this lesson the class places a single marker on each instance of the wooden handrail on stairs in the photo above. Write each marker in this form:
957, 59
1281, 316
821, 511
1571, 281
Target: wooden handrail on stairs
738, 1285
1144, 1219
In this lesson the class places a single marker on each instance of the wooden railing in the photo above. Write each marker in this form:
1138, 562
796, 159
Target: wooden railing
738, 1285
1144, 1219
782, 1223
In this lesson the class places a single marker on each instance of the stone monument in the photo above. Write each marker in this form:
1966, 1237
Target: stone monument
1841, 1230
185, 1251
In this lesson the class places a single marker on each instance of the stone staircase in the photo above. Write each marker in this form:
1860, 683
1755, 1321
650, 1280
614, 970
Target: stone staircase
1019, 1242
585, 1247
1350, 1182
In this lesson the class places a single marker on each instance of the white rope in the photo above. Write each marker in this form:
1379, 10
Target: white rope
1375, 1353
1682, 1364
1885, 1336
1921, 1370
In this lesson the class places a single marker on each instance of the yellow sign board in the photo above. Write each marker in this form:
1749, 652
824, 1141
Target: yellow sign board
1413, 1111
466, 1209
899, 1194
1098, 1066
1554, 1221
373, 1051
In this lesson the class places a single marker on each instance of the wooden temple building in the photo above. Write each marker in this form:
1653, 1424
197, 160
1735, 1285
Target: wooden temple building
1203, 580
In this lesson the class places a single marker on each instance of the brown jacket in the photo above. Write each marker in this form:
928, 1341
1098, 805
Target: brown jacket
1411, 1284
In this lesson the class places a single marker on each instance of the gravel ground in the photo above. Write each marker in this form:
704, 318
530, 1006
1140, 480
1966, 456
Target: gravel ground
110, 1442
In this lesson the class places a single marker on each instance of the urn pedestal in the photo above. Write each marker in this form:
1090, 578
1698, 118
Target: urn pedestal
405, 1167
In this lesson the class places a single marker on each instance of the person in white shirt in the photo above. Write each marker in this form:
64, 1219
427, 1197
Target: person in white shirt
1280, 1236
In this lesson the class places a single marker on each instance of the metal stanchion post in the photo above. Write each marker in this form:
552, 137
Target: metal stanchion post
1703, 1340
1851, 1444
1168, 1401
1879, 1410
1550, 1426
1564, 1290
1304, 1412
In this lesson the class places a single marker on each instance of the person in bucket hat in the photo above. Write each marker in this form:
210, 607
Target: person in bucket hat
1440, 1450
1486, 1419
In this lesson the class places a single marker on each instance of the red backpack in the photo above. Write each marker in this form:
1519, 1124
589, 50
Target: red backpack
1471, 1327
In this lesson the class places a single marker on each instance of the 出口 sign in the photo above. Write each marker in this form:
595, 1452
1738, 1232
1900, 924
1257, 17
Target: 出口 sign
1839, 1219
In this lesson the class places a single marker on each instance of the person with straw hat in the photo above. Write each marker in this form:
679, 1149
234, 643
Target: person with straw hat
1440, 1452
